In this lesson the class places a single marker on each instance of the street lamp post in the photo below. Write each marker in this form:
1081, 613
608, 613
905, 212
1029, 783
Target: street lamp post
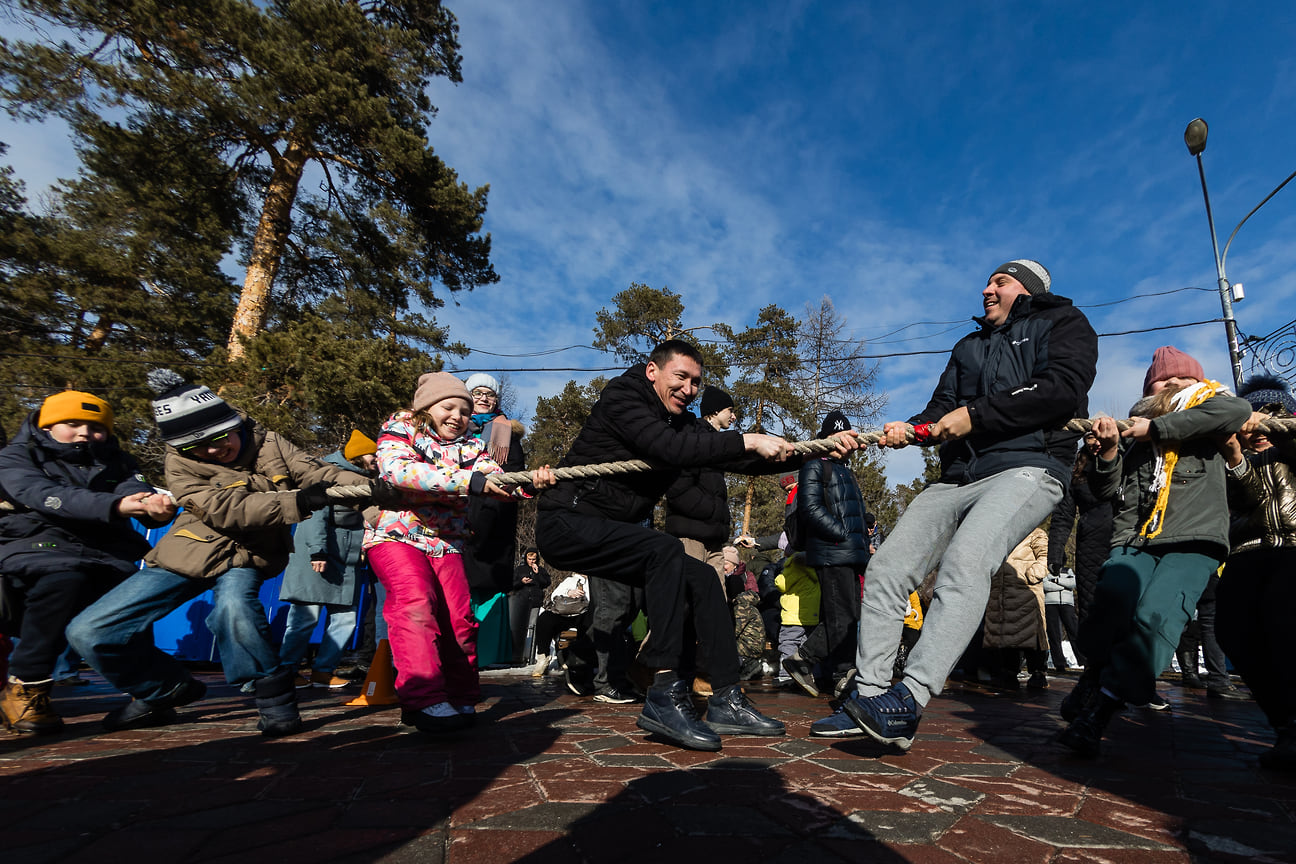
1195, 138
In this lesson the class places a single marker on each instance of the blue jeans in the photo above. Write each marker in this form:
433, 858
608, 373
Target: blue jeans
114, 635
302, 618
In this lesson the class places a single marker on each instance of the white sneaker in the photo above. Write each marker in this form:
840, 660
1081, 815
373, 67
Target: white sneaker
440, 709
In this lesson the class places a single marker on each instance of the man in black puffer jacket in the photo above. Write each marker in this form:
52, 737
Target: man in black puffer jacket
595, 526
831, 513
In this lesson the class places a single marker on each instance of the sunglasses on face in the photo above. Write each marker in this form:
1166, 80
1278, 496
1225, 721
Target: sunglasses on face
214, 441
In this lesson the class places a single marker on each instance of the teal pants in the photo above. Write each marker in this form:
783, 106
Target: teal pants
1141, 603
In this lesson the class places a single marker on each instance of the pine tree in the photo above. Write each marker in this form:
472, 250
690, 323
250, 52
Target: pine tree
833, 374
558, 420
272, 88
642, 317
765, 394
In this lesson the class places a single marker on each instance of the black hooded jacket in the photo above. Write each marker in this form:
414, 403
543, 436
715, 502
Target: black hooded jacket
65, 497
1021, 382
697, 503
627, 422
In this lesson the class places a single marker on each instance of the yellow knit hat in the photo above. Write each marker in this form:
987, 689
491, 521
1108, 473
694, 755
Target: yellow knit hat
74, 405
358, 445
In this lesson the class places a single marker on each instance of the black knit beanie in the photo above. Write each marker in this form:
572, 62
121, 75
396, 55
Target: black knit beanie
835, 422
714, 400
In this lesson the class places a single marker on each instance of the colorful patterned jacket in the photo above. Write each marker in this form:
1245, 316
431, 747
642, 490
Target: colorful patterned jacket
436, 477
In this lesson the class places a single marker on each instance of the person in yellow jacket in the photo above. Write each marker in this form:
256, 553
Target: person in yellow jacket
799, 607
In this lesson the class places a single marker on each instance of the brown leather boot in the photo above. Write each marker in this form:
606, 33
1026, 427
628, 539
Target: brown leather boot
26, 707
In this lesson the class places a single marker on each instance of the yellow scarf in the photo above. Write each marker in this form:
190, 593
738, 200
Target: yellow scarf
1168, 455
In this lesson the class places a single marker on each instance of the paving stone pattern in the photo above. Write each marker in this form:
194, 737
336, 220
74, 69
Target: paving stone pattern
546, 776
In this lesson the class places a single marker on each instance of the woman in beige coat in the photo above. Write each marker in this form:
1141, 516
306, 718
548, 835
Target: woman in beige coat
1014, 617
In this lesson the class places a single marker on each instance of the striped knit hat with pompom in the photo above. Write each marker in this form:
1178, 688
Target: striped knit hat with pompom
188, 413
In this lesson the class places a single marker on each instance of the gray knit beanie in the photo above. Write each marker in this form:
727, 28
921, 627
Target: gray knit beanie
1033, 275
187, 413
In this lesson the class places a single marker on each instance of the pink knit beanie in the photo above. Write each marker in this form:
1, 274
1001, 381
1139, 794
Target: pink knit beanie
435, 386
1169, 362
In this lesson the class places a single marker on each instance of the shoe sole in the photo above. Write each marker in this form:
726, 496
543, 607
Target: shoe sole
853, 732
328, 686
733, 729
898, 741
805, 682
649, 725
624, 700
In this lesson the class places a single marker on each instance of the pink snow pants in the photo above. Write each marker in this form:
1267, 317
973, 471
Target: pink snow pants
430, 624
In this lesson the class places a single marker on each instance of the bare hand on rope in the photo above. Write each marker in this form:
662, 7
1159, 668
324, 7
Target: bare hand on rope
541, 478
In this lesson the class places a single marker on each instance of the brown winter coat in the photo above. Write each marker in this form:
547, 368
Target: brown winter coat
238, 515
1014, 616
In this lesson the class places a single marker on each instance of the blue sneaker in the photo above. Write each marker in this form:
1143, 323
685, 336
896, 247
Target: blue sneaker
836, 725
890, 717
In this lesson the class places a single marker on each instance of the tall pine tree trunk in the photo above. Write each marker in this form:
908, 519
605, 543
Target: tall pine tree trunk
267, 247
751, 485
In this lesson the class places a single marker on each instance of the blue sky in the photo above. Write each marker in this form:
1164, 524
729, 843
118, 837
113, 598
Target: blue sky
886, 155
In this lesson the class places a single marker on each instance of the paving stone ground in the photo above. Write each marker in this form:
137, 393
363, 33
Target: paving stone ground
546, 776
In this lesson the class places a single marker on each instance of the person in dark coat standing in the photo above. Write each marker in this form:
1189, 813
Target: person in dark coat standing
529, 583
595, 526
697, 504
491, 550
1091, 517
831, 514
69, 538
326, 572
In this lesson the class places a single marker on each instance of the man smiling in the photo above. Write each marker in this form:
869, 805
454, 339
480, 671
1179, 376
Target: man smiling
998, 413
596, 527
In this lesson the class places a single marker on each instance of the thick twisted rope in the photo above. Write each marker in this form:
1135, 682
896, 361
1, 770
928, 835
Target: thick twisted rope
808, 448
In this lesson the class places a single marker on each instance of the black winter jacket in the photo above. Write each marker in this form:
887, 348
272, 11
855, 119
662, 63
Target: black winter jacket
629, 421
65, 496
697, 503
831, 513
1021, 382
492, 524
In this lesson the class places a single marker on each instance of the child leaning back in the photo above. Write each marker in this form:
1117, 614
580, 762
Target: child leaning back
241, 487
416, 546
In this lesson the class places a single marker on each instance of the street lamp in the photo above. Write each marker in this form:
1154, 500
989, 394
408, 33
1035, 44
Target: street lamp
1195, 139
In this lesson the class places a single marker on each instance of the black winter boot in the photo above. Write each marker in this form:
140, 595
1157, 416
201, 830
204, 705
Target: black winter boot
276, 701
668, 711
138, 714
1084, 735
729, 712
1188, 676
1081, 695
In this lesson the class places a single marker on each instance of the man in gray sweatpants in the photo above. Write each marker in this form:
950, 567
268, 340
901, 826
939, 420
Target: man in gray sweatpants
997, 413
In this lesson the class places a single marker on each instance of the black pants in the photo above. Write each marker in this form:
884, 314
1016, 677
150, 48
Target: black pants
832, 641
602, 645
676, 587
1256, 596
550, 626
49, 602
1201, 632
519, 617
1062, 624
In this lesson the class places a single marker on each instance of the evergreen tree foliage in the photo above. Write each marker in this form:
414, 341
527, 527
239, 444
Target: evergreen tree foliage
558, 420
642, 317
274, 88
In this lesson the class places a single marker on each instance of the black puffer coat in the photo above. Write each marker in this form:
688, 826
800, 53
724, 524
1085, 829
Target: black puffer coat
629, 421
1021, 382
492, 544
697, 503
1093, 538
831, 512
66, 496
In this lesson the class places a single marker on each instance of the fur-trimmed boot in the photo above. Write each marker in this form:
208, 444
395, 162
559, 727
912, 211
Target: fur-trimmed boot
25, 706
276, 701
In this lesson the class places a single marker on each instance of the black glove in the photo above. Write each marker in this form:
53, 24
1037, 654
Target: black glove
314, 497
387, 496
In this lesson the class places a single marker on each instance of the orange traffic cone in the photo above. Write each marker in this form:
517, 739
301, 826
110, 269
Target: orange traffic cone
379, 685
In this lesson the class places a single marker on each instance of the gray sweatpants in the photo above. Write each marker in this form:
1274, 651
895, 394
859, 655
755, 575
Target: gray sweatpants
968, 531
